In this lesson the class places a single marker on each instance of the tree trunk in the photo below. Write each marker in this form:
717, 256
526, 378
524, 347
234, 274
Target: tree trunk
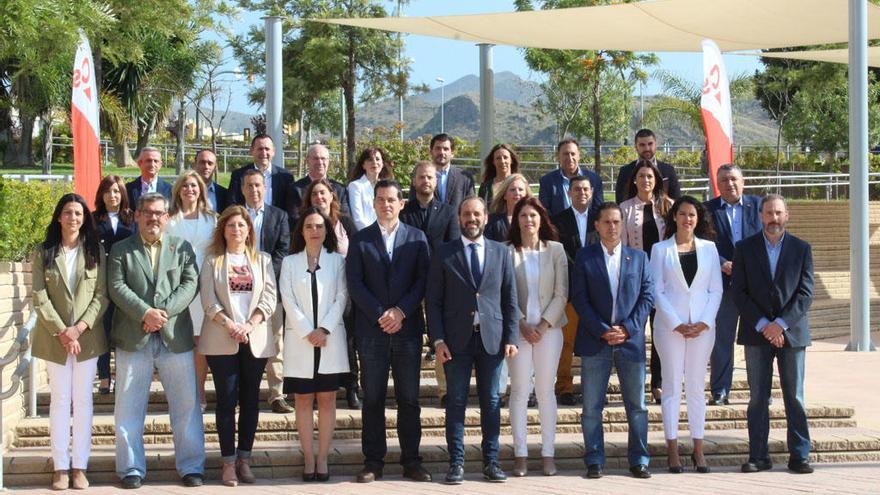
300, 158
144, 130
22, 150
348, 88
181, 139
47, 141
121, 153
597, 130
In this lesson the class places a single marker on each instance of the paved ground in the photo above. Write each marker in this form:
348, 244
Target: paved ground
857, 479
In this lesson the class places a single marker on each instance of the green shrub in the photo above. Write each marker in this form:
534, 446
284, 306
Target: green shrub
25, 210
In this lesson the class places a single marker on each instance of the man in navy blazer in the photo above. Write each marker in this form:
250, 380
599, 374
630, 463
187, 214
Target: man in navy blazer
772, 284
553, 191
453, 184
612, 292
317, 166
473, 322
277, 179
646, 147
386, 268
218, 196
150, 162
736, 217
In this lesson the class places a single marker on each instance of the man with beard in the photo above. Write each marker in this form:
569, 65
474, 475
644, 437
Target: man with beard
473, 324
453, 184
772, 284
646, 147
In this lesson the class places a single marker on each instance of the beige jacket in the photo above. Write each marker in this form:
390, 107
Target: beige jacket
633, 211
552, 282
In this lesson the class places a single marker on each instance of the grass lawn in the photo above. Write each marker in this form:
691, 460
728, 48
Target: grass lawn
167, 173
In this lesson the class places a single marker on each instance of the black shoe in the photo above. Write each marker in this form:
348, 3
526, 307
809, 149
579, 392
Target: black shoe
533, 401
700, 469
281, 406
417, 473
322, 476
193, 480
368, 475
594, 471
675, 469
719, 399
455, 475
640, 471
567, 399
132, 481
443, 401
309, 477
493, 472
754, 466
800, 467
351, 396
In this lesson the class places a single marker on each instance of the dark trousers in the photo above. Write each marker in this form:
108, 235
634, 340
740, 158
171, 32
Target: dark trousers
458, 381
104, 359
403, 356
656, 370
722, 353
351, 380
237, 380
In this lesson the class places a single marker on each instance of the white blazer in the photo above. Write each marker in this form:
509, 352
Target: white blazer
676, 303
360, 202
295, 285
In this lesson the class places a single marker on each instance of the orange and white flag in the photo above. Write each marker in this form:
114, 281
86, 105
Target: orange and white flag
84, 125
716, 111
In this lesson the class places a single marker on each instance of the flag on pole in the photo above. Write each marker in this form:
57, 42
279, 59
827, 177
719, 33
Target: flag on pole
716, 112
84, 125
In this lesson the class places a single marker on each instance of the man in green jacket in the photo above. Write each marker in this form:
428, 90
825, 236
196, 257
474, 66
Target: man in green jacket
152, 277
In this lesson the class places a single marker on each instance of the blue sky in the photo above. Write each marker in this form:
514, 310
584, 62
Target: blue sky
451, 60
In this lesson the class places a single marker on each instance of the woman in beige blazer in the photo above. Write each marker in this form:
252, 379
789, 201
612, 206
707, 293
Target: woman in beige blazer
69, 297
314, 294
541, 270
237, 287
687, 293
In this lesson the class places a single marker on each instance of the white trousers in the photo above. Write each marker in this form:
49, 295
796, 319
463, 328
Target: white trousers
542, 360
71, 384
684, 360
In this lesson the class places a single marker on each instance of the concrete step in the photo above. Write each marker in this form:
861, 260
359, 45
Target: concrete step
283, 459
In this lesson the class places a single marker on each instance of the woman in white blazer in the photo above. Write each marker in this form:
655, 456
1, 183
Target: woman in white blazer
237, 288
371, 166
541, 270
314, 295
687, 292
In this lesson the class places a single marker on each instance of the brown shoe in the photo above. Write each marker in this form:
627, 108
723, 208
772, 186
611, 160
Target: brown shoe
227, 474
78, 479
549, 466
520, 466
243, 469
60, 480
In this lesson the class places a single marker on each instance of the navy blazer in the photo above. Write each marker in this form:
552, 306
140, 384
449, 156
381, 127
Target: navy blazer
497, 227
452, 298
442, 225
787, 295
459, 185
751, 225
591, 298
275, 237
670, 180
552, 192
377, 283
222, 197
570, 237
281, 180
133, 189
108, 237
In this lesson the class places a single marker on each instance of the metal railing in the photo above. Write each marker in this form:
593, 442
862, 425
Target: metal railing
20, 349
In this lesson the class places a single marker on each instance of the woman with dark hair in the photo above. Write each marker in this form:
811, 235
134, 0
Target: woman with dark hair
541, 270
314, 295
237, 289
320, 194
644, 214
687, 293
372, 165
514, 188
114, 221
499, 163
69, 295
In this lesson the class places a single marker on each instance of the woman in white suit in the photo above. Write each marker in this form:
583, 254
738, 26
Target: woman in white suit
314, 294
687, 293
237, 288
371, 166
541, 270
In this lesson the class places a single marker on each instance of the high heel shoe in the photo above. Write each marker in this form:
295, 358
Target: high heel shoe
674, 469
699, 469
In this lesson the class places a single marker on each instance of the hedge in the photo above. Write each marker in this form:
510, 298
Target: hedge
25, 211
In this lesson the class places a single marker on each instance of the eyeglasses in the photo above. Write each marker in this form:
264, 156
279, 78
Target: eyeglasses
152, 213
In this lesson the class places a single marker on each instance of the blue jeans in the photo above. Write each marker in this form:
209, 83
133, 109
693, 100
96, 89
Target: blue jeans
759, 369
134, 372
595, 371
403, 355
721, 377
458, 380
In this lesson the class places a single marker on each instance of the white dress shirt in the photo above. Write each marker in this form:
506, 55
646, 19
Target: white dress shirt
481, 259
389, 236
612, 264
582, 220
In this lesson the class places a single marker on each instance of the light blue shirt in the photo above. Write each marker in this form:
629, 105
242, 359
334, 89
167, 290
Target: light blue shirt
734, 219
566, 184
257, 219
211, 196
442, 179
773, 252
267, 178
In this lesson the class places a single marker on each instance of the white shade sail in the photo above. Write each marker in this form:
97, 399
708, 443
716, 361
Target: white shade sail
840, 56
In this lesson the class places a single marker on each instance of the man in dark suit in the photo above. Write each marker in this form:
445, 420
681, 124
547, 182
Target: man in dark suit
277, 179
612, 292
772, 284
386, 268
453, 184
553, 190
150, 162
736, 217
646, 147
576, 230
317, 165
473, 321
273, 238
205, 165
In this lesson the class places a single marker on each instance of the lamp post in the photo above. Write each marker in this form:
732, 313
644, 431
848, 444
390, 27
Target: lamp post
442, 103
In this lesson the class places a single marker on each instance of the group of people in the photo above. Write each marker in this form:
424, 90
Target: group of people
324, 286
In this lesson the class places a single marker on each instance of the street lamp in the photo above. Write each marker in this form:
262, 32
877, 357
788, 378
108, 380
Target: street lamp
442, 103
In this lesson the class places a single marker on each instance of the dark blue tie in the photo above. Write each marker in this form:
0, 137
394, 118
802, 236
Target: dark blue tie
475, 266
